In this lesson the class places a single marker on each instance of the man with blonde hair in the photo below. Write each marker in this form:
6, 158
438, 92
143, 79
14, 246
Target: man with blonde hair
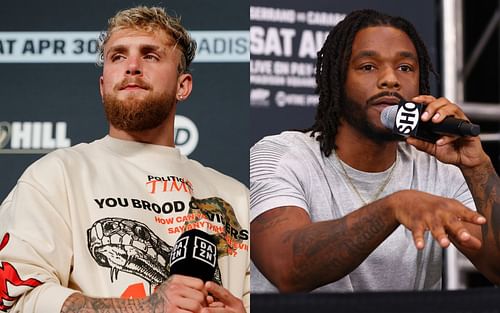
91, 228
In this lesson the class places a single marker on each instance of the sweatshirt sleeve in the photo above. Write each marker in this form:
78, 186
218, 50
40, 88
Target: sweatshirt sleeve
246, 292
36, 246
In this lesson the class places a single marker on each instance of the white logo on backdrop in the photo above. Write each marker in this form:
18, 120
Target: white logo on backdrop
283, 45
259, 97
42, 137
186, 134
4, 134
32, 137
82, 47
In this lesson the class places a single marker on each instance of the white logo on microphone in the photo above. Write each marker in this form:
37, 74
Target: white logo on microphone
205, 251
407, 118
180, 250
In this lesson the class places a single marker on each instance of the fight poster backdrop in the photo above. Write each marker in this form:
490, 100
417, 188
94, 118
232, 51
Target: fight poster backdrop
50, 91
284, 40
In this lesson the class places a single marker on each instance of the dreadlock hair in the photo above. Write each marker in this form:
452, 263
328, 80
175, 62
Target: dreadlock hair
333, 61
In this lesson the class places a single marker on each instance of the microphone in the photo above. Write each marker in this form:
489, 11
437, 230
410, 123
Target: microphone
404, 119
194, 254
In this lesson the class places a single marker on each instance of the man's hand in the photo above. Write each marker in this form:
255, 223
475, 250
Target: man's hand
461, 151
482, 179
179, 294
445, 218
222, 301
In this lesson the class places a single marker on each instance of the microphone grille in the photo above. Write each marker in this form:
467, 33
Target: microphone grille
388, 116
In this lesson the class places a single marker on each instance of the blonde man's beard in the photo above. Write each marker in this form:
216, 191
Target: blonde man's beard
133, 114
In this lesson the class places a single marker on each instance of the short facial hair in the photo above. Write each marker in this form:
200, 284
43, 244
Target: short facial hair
355, 115
133, 114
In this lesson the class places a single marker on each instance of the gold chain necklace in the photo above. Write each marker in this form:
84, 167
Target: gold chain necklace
380, 189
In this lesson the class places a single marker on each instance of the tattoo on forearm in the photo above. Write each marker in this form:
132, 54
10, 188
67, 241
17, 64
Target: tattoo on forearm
157, 303
74, 303
354, 239
78, 303
485, 188
495, 221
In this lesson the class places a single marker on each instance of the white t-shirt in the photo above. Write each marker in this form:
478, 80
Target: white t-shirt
290, 170
102, 218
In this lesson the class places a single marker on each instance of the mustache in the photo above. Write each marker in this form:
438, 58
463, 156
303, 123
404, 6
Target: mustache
135, 81
374, 98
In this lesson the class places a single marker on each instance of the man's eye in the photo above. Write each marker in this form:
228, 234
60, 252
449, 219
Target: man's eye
406, 68
151, 57
367, 67
117, 57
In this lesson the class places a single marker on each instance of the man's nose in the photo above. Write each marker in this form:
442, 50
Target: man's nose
389, 79
134, 67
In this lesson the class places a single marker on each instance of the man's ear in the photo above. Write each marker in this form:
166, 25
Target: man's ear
184, 86
101, 83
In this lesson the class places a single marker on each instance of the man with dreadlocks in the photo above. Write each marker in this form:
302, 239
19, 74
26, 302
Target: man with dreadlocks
346, 205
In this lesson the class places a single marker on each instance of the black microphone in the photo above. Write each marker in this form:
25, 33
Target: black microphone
404, 119
194, 254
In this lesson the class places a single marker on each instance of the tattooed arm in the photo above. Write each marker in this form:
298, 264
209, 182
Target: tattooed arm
296, 254
83, 304
484, 185
177, 294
